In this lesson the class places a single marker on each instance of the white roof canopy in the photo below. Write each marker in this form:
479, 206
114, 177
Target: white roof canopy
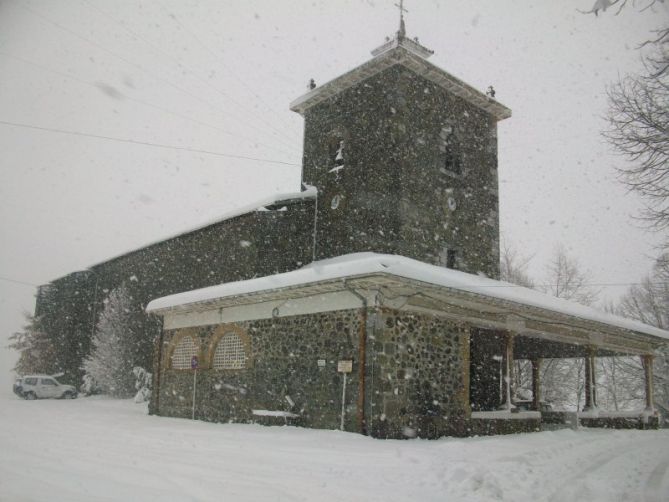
370, 271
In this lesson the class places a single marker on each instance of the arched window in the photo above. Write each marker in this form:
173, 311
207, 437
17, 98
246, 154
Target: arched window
183, 353
230, 352
450, 149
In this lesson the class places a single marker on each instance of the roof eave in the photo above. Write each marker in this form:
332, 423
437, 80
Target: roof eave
382, 279
400, 55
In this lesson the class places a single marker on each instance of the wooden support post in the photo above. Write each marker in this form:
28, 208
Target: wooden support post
362, 359
647, 362
590, 380
536, 384
507, 367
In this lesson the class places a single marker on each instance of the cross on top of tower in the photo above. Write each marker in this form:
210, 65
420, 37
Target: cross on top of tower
402, 40
402, 31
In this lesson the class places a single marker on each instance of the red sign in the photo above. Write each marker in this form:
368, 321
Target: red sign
193, 363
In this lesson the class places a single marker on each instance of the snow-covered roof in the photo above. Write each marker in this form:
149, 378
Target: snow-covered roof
310, 192
365, 264
406, 53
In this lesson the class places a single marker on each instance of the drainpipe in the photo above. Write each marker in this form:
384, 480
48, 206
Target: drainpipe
315, 232
156, 372
95, 307
362, 355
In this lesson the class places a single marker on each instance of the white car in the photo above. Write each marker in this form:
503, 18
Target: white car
43, 386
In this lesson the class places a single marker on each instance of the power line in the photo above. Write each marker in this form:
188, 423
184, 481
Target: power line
219, 58
141, 102
16, 281
592, 285
181, 65
140, 68
144, 143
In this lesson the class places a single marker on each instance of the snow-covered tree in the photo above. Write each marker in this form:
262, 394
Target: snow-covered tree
143, 380
115, 346
37, 352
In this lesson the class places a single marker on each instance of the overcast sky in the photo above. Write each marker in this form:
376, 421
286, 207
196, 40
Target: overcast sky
211, 82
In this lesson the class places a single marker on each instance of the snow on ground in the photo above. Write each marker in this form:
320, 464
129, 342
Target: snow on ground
101, 449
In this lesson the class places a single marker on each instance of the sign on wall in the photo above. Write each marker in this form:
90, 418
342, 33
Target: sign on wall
345, 366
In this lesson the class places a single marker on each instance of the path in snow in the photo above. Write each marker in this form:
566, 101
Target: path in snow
100, 449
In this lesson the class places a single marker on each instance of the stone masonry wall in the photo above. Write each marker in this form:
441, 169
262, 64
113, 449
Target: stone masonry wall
390, 192
420, 384
250, 245
416, 376
284, 362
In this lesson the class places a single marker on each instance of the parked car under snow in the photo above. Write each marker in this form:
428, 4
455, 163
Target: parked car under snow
41, 387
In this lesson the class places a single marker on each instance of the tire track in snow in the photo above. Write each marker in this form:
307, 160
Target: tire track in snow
568, 490
654, 483
597, 478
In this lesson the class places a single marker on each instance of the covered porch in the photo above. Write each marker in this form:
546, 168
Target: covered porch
431, 350
508, 324
497, 390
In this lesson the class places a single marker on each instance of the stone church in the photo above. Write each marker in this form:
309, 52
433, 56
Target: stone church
368, 299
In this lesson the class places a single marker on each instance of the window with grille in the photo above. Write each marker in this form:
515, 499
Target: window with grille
230, 353
450, 151
183, 353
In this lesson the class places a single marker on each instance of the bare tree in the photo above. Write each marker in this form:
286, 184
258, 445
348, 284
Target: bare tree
648, 302
513, 267
566, 280
562, 382
602, 5
639, 118
563, 379
639, 130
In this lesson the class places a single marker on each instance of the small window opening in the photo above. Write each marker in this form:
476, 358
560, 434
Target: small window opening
450, 148
450, 258
339, 155
337, 148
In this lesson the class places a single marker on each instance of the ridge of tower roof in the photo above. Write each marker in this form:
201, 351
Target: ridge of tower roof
412, 55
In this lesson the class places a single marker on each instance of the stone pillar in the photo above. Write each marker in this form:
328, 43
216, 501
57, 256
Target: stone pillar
507, 368
590, 380
647, 362
536, 384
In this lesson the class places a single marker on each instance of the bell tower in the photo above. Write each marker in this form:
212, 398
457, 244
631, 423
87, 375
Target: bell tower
404, 157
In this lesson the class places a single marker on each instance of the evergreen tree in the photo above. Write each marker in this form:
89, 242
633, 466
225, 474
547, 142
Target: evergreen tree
37, 352
112, 358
